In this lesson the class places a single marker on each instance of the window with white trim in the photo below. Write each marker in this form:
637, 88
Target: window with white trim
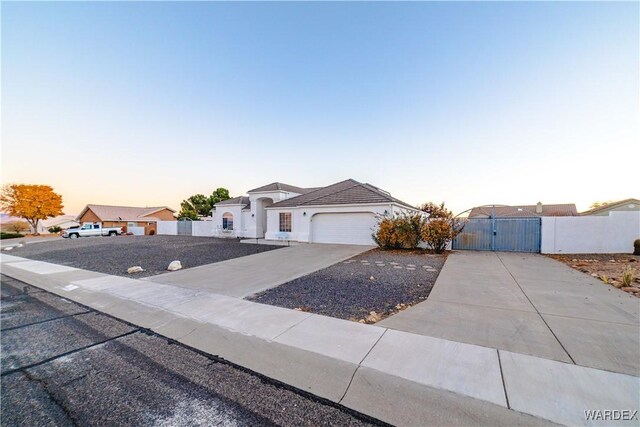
285, 222
227, 221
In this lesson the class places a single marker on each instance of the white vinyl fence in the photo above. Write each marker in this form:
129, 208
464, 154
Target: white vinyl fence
590, 234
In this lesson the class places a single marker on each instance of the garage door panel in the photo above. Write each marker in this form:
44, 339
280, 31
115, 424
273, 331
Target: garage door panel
346, 228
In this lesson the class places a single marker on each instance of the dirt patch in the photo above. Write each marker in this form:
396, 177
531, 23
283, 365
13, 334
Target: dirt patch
609, 268
366, 288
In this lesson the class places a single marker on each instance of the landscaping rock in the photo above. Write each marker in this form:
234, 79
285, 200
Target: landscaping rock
352, 291
135, 269
109, 256
373, 317
175, 265
7, 249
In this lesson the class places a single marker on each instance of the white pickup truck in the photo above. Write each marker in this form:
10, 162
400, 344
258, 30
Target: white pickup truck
90, 230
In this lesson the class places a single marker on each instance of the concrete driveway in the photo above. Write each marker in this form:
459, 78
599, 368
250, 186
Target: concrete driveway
531, 304
248, 275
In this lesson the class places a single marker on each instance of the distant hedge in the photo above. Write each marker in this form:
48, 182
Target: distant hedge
4, 235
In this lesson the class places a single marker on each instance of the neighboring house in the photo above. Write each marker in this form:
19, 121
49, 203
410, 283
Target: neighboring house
345, 212
137, 220
626, 205
524, 211
62, 221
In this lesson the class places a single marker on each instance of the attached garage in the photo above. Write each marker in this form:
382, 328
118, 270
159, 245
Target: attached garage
346, 228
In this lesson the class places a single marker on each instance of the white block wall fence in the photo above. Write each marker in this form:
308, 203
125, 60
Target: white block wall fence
198, 228
136, 231
203, 228
590, 234
167, 227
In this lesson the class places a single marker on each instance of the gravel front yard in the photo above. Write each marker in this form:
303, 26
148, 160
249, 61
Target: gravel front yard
383, 282
609, 267
113, 255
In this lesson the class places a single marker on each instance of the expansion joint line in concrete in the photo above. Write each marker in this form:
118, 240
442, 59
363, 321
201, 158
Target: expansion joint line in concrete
289, 328
12, 328
50, 359
504, 385
536, 309
358, 367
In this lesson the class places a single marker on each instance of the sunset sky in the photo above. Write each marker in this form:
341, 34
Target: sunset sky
147, 103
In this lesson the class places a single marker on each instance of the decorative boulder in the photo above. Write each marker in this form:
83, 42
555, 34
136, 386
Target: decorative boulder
175, 265
135, 269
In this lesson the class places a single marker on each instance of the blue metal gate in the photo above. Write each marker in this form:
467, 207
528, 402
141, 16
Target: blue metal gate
500, 234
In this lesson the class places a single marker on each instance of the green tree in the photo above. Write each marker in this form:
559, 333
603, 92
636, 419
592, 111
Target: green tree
200, 205
219, 195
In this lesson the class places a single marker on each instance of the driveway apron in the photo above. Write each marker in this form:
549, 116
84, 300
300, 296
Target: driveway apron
530, 304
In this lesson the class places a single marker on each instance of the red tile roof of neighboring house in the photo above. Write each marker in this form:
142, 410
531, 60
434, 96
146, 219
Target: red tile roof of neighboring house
523, 211
122, 213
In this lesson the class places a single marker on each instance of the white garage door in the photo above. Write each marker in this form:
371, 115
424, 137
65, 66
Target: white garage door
349, 228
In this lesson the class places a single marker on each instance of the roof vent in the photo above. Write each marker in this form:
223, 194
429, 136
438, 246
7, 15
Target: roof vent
539, 208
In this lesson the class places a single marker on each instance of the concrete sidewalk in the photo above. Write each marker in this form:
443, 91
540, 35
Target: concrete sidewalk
398, 377
529, 304
244, 276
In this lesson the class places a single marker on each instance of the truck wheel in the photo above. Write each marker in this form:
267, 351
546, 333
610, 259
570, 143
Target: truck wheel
73, 236
112, 233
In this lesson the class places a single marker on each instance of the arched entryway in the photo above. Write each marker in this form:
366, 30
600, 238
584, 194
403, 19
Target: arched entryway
261, 215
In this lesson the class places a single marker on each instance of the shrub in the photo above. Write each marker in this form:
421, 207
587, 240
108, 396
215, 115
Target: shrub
4, 235
441, 227
386, 236
605, 279
17, 227
636, 247
401, 231
627, 276
55, 229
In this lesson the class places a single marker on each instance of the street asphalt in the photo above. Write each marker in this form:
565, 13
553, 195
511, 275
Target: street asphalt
65, 364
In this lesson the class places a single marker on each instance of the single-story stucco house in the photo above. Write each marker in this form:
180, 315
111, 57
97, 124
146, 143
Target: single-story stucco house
134, 219
524, 211
345, 212
626, 205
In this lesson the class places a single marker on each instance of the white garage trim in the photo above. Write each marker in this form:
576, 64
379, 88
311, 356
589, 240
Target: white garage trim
343, 227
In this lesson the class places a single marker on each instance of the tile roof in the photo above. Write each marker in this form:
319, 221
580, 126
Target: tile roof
344, 192
611, 205
242, 200
279, 186
122, 213
523, 211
